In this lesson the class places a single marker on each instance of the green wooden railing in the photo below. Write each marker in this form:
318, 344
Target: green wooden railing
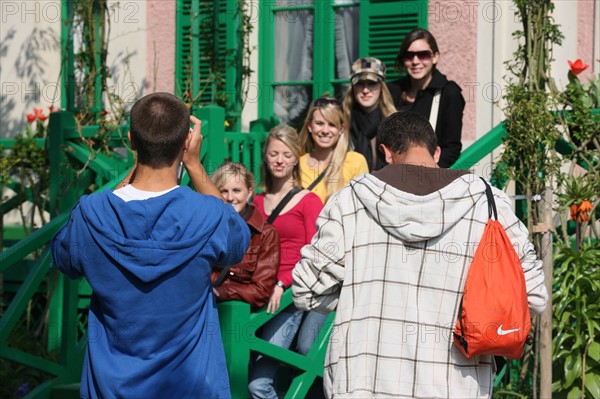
75, 167
71, 298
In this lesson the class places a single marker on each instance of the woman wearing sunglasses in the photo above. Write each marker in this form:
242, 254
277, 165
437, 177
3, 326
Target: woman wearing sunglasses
428, 92
327, 165
366, 103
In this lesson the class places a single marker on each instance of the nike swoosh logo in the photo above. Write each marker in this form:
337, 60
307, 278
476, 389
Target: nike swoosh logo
504, 332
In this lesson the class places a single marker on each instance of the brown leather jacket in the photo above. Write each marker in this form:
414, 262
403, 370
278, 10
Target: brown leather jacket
252, 279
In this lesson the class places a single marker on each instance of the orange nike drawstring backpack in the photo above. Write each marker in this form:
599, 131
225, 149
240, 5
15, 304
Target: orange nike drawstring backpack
494, 314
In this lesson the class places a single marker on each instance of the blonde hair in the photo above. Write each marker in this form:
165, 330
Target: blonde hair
288, 136
233, 169
385, 102
332, 113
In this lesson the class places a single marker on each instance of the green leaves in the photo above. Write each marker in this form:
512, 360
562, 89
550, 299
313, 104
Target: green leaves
575, 320
592, 385
575, 189
550, 136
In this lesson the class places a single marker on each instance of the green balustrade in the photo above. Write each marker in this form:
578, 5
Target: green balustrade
238, 328
238, 323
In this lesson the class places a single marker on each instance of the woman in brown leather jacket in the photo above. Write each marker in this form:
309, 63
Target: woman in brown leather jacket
252, 280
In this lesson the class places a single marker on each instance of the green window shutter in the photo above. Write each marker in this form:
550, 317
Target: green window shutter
383, 26
385, 23
184, 50
207, 56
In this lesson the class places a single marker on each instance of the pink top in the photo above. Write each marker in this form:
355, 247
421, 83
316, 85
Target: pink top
296, 228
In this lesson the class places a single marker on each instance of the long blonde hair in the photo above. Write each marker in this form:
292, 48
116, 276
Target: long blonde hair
332, 112
385, 102
288, 136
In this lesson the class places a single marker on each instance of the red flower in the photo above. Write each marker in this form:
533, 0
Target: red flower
577, 67
30, 118
39, 114
52, 108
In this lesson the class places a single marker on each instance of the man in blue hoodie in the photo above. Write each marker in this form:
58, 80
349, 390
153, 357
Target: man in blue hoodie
147, 250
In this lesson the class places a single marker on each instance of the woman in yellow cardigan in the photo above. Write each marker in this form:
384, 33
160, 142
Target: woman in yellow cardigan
327, 165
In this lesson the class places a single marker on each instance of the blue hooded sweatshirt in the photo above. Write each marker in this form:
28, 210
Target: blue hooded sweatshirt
153, 327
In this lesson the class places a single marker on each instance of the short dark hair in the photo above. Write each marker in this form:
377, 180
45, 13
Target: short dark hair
405, 129
159, 125
414, 35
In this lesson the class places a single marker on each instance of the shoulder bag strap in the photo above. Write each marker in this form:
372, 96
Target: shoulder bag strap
282, 204
319, 178
435, 108
490, 198
222, 276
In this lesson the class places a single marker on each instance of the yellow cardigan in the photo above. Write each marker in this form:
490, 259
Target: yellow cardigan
354, 165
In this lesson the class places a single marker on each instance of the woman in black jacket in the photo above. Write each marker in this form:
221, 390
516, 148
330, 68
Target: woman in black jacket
428, 92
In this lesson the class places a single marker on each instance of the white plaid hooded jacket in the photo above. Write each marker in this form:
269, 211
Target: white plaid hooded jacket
393, 266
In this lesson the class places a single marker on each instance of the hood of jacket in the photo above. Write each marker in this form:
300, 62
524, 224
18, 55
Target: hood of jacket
414, 203
149, 238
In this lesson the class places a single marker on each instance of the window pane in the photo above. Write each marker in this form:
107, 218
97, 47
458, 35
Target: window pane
291, 103
340, 89
293, 59
346, 40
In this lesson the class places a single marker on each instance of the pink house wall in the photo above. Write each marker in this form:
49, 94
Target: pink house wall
454, 26
586, 31
160, 45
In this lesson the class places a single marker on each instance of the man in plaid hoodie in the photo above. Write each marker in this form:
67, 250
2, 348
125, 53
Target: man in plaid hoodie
391, 255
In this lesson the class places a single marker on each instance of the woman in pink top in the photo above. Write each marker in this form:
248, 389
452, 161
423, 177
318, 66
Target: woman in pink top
296, 224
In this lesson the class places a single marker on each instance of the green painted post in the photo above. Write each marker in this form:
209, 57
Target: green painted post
323, 48
213, 131
69, 354
67, 99
266, 55
63, 195
236, 333
55, 313
61, 172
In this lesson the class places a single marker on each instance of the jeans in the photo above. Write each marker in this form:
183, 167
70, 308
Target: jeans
309, 331
281, 330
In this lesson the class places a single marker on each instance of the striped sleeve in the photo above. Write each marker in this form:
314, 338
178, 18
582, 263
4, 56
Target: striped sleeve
319, 274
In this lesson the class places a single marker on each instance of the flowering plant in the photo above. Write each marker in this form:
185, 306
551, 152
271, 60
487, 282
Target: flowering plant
579, 187
580, 99
588, 93
576, 193
37, 125
25, 167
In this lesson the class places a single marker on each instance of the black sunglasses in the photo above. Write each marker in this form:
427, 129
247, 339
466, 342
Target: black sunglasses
361, 84
424, 55
321, 102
